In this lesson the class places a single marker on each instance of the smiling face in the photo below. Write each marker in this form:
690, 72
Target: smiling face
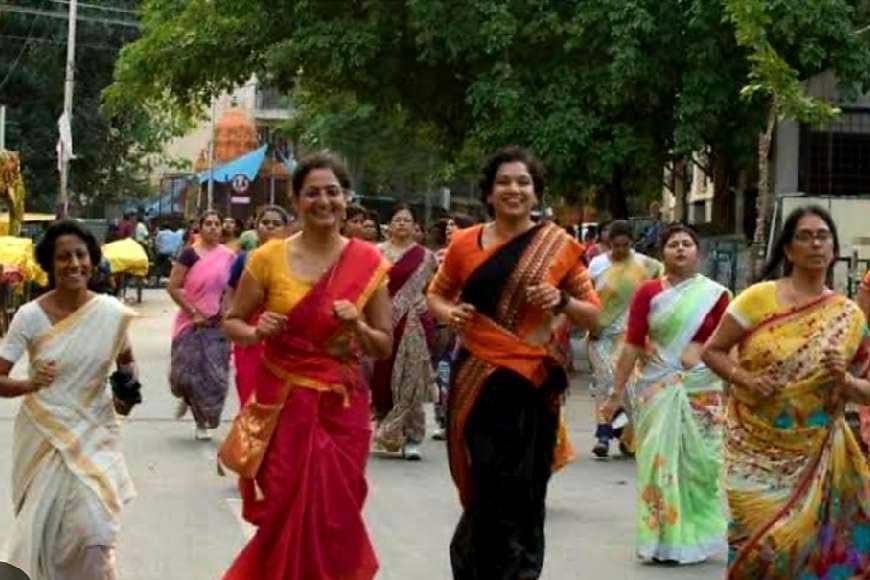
72, 263
513, 192
680, 254
812, 246
321, 200
271, 227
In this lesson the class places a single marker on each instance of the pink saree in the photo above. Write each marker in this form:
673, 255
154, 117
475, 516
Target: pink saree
199, 363
308, 495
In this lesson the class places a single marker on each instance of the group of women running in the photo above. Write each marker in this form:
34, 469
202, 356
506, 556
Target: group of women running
732, 402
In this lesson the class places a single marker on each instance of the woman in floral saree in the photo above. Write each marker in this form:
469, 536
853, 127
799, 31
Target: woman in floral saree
616, 274
200, 358
69, 478
796, 478
402, 383
677, 407
324, 300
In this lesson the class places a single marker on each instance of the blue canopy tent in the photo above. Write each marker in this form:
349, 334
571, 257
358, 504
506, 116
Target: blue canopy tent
247, 165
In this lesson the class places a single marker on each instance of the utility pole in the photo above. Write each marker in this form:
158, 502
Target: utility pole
67, 104
2, 127
211, 159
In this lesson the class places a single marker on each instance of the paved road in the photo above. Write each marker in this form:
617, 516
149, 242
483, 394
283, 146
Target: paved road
185, 524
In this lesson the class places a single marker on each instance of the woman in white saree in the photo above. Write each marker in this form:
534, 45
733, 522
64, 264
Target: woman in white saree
69, 478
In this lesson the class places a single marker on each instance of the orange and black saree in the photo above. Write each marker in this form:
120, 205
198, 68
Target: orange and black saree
503, 407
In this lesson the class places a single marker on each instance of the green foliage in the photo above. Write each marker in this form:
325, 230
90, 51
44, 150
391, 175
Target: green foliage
112, 153
606, 91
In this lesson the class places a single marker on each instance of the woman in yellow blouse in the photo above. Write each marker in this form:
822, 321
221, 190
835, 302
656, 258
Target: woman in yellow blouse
325, 301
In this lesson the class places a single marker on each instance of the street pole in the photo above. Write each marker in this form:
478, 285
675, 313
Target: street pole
2, 127
68, 101
211, 159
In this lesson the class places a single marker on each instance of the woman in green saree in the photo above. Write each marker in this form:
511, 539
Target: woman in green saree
677, 406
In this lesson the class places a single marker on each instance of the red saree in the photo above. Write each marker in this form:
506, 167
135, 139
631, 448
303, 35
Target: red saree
308, 496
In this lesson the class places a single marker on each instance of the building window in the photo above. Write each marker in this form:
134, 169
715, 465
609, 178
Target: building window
836, 161
270, 98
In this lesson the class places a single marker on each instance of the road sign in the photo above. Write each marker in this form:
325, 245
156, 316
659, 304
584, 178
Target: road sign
241, 183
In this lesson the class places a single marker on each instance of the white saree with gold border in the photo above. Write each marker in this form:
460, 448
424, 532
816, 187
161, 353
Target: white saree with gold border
69, 478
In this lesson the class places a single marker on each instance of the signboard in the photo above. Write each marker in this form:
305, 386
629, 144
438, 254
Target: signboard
240, 199
241, 183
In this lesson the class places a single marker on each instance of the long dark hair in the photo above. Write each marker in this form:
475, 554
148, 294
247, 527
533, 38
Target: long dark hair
786, 236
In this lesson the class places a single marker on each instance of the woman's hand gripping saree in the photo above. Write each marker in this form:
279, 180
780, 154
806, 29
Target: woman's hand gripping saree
796, 479
307, 497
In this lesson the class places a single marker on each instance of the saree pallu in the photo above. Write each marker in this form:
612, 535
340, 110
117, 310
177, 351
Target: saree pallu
200, 356
70, 480
503, 410
401, 384
796, 478
678, 426
308, 495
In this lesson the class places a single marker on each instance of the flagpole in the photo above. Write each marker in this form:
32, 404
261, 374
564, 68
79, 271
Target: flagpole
67, 106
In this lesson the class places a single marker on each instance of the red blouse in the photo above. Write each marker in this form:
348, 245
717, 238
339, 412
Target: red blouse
638, 314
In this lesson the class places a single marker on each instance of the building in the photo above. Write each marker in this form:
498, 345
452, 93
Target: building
242, 122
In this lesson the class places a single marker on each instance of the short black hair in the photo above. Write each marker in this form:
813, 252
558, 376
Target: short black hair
320, 160
674, 229
402, 206
207, 214
620, 228
45, 248
285, 217
353, 210
510, 154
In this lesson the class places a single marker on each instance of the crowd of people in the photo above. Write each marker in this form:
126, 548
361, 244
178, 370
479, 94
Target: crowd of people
339, 337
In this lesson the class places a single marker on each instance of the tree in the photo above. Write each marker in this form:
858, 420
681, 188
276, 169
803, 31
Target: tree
113, 154
790, 41
606, 91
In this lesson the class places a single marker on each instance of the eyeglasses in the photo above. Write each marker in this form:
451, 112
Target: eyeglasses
807, 236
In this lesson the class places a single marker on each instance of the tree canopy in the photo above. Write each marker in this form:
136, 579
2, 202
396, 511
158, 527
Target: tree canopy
606, 91
112, 153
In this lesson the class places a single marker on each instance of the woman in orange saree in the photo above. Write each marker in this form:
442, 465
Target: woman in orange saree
503, 286
796, 479
324, 300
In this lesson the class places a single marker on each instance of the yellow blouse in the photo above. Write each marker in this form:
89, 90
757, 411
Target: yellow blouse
268, 265
754, 304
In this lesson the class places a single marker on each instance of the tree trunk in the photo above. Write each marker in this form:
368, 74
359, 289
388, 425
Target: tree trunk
759, 242
617, 203
681, 191
723, 200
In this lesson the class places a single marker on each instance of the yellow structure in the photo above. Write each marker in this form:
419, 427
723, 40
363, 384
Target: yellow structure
12, 189
18, 253
126, 256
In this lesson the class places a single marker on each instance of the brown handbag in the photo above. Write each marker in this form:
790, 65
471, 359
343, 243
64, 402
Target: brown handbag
245, 446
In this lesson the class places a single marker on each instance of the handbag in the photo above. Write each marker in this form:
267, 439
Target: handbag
246, 443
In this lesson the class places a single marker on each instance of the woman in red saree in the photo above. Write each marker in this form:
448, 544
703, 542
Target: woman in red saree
402, 383
504, 285
324, 299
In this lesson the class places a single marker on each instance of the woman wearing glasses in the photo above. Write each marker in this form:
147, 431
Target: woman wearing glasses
795, 475
401, 384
